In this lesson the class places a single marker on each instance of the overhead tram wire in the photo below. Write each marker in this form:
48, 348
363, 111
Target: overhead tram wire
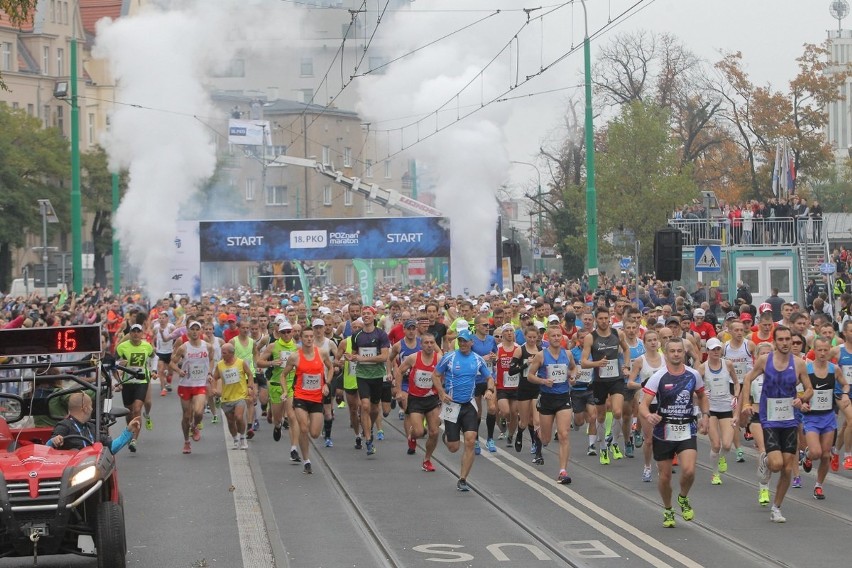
622, 17
423, 11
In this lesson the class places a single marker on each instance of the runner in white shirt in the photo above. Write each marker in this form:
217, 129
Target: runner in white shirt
717, 374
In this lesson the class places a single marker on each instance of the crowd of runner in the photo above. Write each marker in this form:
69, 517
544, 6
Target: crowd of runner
634, 374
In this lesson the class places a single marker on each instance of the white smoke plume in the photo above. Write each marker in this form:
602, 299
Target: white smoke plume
159, 60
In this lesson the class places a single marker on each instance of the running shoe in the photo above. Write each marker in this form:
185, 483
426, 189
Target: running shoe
169, 387
196, 434
835, 461
674, 461
187, 447
244, 444
638, 438
776, 517
462, 485
716, 480
427, 466
236, 443
616, 452
538, 460
215, 419
763, 497
592, 451
747, 436
604, 456
608, 439
685, 509
329, 443
358, 443
519, 442
476, 449
393, 403
723, 464
294, 456
740, 455
763, 473
256, 425
646, 474
276, 433
797, 482
818, 494
563, 478
207, 409
501, 435
249, 433
200, 426
149, 424
380, 435
533, 448
847, 463
371, 449
802, 455
668, 518
132, 446
490, 445
509, 440
401, 415
163, 392
628, 450
807, 465
412, 446
342, 404
307, 469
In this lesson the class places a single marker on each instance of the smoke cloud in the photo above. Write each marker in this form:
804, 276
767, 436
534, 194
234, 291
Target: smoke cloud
159, 60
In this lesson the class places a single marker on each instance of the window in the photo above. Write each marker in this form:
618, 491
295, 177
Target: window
249, 189
307, 96
236, 68
326, 195
6, 56
751, 278
60, 119
30, 109
780, 278
307, 67
347, 157
279, 150
45, 61
387, 169
45, 115
65, 12
368, 169
347, 197
326, 156
91, 129
15, 106
276, 195
53, 10
60, 62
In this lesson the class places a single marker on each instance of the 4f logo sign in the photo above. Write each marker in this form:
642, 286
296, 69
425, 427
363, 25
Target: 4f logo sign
178, 242
177, 276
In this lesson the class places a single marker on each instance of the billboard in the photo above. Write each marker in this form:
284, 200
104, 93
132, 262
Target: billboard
249, 132
185, 268
324, 239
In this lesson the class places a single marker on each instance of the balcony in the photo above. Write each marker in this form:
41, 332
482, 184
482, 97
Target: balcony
764, 233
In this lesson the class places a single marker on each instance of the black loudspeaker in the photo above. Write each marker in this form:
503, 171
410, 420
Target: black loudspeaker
668, 254
512, 250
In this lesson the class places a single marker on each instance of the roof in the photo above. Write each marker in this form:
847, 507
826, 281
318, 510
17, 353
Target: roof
838, 226
26, 25
281, 106
91, 11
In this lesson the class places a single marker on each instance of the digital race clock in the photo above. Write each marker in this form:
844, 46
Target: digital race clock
50, 340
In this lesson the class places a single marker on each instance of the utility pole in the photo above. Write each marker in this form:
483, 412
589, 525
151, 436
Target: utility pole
76, 200
591, 194
116, 249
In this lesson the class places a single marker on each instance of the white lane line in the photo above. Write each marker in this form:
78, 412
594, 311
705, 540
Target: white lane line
624, 527
254, 542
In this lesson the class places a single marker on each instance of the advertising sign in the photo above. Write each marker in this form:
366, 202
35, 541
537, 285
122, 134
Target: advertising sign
324, 239
249, 132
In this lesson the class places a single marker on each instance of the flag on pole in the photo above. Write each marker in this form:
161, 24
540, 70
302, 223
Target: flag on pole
306, 289
365, 280
785, 174
776, 169
791, 171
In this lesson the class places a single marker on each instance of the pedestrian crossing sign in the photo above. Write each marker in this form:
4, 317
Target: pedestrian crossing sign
708, 258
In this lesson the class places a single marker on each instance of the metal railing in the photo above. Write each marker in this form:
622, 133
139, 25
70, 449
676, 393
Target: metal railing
772, 232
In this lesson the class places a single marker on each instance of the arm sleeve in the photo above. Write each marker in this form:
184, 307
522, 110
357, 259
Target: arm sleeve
116, 445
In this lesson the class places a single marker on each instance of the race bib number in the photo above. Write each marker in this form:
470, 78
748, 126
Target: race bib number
558, 372
610, 370
423, 379
352, 366
450, 411
757, 388
197, 372
821, 400
585, 376
311, 382
678, 432
367, 351
778, 409
847, 373
717, 385
511, 381
285, 356
231, 376
740, 370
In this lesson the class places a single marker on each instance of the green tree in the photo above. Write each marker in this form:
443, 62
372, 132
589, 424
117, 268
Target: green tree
18, 12
96, 187
833, 192
640, 177
34, 164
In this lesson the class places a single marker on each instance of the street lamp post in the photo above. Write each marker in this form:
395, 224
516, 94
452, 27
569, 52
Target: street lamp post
537, 171
591, 194
76, 200
48, 215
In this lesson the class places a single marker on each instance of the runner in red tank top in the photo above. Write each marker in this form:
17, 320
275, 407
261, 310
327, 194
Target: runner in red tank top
423, 401
507, 384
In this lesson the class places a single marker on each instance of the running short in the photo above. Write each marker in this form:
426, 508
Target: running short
336, 383
351, 391
722, 415
422, 404
480, 389
507, 394
665, 450
468, 421
784, 440
308, 405
187, 393
371, 388
605, 389
387, 391
275, 392
231, 407
822, 423
530, 392
260, 380
581, 400
131, 392
404, 386
550, 404
629, 394
165, 357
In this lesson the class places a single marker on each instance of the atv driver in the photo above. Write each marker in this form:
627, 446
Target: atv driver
80, 432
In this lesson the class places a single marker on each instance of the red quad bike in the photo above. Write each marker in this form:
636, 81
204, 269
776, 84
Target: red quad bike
55, 501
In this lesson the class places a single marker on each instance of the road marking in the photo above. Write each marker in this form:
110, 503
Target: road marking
254, 542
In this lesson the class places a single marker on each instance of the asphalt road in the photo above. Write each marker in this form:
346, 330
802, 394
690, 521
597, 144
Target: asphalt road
226, 508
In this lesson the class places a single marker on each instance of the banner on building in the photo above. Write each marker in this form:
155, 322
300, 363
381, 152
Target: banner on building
185, 267
365, 280
324, 239
249, 132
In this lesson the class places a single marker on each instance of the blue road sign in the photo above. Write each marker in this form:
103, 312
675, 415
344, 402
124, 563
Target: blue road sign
828, 268
625, 262
708, 258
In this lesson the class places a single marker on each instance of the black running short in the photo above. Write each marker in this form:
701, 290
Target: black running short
371, 388
665, 450
784, 440
131, 392
422, 404
550, 404
605, 389
468, 421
